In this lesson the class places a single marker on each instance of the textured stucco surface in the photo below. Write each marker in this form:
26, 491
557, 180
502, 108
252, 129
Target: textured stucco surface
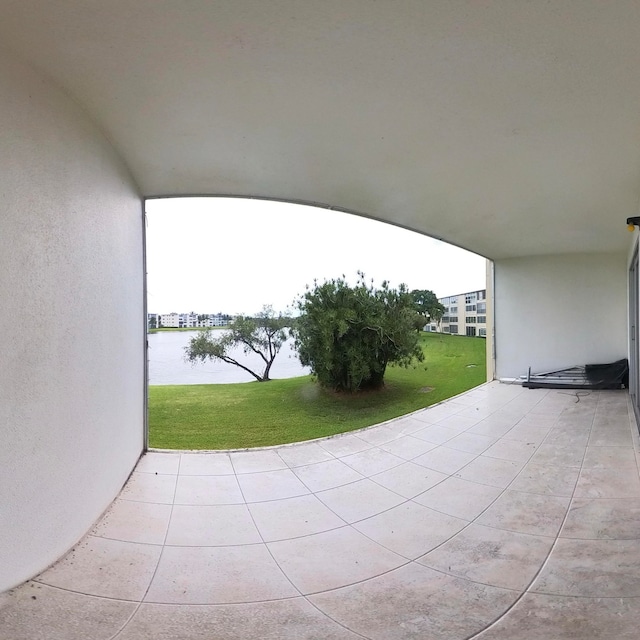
508, 128
71, 381
553, 312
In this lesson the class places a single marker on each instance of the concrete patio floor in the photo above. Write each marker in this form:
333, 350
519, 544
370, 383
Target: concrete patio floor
502, 514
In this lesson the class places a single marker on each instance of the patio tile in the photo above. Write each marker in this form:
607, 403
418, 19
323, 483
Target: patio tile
409, 479
218, 575
410, 529
206, 464
562, 618
212, 526
34, 611
149, 487
609, 458
537, 421
470, 443
526, 513
378, 435
293, 517
556, 402
592, 568
208, 490
534, 435
460, 423
459, 498
444, 460
332, 559
608, 483
128, 521
475, 413
256, 461
372, 461
407, 425
511, 450
575, 421
415, 602
435, 434
493, 426
307, 453
491, 471
327, 475
603, 518
604, 421
157, 462
564, 438
490, 556
546, 480
291, 619
340, 446
359, 500
561, 456
107, 568
607, 437
271, 485
441, 411
408, 447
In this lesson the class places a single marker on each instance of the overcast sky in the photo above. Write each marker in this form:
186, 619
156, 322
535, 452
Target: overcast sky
231, 255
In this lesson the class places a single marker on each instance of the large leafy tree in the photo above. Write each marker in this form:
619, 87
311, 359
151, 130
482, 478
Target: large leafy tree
263, 335
427, 305
348, 335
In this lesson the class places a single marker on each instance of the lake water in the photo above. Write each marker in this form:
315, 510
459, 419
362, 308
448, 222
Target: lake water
167, 364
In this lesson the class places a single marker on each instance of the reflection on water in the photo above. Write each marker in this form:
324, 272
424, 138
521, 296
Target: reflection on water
167, 364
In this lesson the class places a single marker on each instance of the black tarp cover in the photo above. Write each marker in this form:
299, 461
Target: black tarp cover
613, 375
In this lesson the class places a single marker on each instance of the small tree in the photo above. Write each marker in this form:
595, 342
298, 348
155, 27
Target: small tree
348, 335
427, 305
264, 335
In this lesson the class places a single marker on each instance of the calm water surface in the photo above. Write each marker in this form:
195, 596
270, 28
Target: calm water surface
167, 364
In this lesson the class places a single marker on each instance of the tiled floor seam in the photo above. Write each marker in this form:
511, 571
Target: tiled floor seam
277, 564
527, 589
469, 523
364, 580
82, 593
155, 571
407, 500
401, 566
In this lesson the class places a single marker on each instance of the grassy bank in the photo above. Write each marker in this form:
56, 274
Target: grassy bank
165, 329
252, 414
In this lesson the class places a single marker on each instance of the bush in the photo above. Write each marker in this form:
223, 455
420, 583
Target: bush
348, 335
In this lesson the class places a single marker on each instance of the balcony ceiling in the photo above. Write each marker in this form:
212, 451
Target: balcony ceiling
509, 128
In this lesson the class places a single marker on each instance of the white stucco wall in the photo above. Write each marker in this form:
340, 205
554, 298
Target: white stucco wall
558, 311
71, 323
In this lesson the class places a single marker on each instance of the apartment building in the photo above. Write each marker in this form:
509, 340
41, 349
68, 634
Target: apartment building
192, 319
465, 314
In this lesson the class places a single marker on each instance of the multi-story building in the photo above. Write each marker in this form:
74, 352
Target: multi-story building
465, 314
192, 319
170, 320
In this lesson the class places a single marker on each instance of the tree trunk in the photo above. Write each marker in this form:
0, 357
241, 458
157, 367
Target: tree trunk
265, 373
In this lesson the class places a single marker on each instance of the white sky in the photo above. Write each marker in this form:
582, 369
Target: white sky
232, 255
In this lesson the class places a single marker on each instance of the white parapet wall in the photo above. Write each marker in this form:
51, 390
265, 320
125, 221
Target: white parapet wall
557, 311
72, 323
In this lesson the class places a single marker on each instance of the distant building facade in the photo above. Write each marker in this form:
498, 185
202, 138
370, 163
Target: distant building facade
187, 320
465, 314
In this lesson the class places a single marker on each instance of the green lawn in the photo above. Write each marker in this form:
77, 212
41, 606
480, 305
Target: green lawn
253, 414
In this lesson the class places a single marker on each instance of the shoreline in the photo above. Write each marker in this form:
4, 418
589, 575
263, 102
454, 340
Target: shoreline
167, 329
